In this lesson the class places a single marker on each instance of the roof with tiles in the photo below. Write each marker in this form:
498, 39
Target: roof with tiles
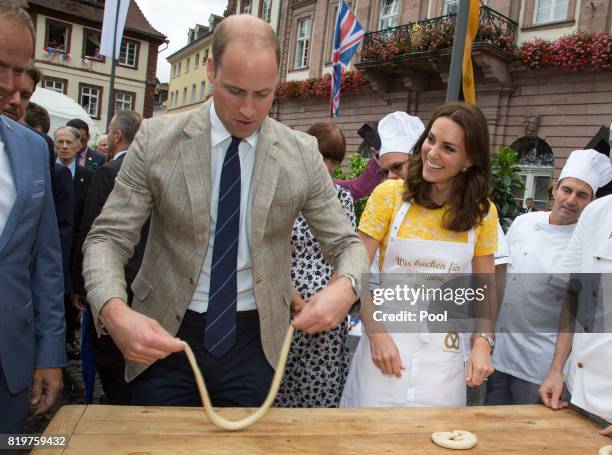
93, 10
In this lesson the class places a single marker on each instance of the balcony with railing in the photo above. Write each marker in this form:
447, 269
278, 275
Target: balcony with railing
417, 51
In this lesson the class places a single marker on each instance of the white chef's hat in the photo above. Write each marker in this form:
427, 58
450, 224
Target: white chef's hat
590, 166
399, 132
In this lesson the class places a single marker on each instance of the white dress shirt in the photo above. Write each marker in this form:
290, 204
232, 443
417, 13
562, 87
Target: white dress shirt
220, 140
119, 154
9, 192
71, 166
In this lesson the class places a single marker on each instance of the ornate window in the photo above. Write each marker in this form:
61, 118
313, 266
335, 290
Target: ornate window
550, 11
450, 7
388, 14
247, 6
536, 160
58, 35
128, 54
57, 85
124, 101
266, 10
90, 97
302, 43
91, 45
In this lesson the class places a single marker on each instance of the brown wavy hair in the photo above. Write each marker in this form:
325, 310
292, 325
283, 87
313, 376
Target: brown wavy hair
468, 202
332, 144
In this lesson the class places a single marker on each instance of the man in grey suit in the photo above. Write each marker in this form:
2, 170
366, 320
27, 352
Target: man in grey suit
223, 185
31, 282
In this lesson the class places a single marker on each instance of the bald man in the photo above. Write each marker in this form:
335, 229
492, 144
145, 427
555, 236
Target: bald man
223, 185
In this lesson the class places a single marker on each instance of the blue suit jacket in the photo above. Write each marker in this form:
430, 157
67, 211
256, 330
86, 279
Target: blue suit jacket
32, 328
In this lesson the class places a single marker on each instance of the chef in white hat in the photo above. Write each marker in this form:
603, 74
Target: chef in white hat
398, 133
537, 242
589, 166
588, 252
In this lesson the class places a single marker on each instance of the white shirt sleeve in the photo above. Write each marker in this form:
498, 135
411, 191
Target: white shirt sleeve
502, 254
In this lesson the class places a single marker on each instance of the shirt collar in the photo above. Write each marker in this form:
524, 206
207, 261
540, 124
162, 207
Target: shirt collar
219, 134
71, 166
121, 153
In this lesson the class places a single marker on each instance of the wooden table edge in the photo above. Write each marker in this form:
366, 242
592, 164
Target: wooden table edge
65, 421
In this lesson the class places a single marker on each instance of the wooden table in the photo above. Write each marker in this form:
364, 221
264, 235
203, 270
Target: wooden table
165, 430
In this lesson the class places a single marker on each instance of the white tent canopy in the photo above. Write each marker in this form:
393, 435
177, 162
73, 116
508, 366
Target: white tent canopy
61, 109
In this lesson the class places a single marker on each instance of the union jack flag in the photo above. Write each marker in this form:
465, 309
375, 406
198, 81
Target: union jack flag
347, 36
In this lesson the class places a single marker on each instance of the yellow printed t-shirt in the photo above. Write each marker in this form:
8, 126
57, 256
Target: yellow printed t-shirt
420, 222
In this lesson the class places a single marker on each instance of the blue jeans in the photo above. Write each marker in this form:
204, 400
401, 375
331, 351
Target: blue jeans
503, 389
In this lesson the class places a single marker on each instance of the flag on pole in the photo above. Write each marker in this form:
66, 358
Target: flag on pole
467, 81
348, 34
115, 13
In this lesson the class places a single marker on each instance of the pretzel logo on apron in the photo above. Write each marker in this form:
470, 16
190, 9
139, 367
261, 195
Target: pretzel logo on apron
451, 341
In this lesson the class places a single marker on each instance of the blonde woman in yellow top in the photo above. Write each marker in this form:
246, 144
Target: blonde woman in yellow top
439, 220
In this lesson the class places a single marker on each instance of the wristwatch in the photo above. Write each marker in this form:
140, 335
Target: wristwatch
489, 339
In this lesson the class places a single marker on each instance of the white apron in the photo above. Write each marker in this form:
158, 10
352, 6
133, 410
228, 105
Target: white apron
435, 374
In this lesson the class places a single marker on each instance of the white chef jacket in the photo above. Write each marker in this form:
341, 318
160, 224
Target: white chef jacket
502, 254
590, 251
527, 321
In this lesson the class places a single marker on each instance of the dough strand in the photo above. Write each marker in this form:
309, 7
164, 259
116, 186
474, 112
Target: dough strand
231, 425
605, 450
457, 439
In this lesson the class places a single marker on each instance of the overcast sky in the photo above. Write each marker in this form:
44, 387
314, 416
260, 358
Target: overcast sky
174, 19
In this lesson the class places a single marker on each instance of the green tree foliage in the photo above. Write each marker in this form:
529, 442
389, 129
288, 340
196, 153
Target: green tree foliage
505, 180
356, 166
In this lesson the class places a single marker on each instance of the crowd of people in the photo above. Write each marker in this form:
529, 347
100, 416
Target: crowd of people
221, 227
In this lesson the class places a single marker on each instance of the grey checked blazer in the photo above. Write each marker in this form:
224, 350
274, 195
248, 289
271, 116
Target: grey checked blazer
166, 175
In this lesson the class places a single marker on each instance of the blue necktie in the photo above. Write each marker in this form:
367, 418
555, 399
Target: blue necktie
220, 332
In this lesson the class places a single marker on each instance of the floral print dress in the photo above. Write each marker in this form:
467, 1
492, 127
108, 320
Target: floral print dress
317, 365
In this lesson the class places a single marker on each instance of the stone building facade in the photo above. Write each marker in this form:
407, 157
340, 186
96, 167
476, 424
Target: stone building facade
545, 114
189, 85
67, 52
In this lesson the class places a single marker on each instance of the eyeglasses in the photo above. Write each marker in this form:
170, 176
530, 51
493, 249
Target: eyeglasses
396, 168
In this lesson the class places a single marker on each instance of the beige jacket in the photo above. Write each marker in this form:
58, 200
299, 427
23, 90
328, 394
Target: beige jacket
166, 175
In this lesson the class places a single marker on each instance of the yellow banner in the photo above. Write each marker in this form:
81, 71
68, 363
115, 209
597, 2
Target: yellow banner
469, 90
